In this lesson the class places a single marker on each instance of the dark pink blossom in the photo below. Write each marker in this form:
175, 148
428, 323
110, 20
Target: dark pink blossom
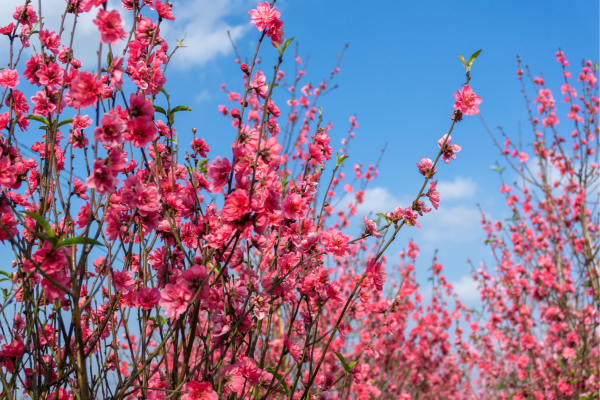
140, 131
336, 243
467, 101
448, 150
111, 130
110, 25
9, 78
198, 390
175, 299
371, 227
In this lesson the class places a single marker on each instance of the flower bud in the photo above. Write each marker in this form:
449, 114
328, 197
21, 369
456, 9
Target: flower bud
244, 68
235, 113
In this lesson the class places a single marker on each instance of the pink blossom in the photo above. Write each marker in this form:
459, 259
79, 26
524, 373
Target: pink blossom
8, 173
467, 101
371, 227
294, 349
236, 205
111, 130
261, 305
336, 243
123, 282
259, 84
523, 157
219, 173
9, 78
50, 75
200, 147
146, 298
102, 179
448, 150
175, 299
7, 30
433, 195
410, 218
110, 25
164, 10
27, 18
19, 102
294, 206
50, 39
140, 131
505, 189
276, 32
117, 72
79, 189
52, 291
43, 105
550, 120
84, 90
263, 16
198, 390
140, 106
81, 122
375, 275
233, 381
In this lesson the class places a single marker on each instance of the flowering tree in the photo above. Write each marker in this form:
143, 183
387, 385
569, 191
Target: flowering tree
128, 283
541, 339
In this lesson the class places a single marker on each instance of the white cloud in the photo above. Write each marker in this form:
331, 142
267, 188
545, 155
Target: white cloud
466, 288
460, 188
202, 96
205, 29
202, 20
377, 200
458, 224
86, 39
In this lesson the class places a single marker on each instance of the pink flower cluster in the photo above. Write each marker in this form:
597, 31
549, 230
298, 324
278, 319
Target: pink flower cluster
267, 19
165, 271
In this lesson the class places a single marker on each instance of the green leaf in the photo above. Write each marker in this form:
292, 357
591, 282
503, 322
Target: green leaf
347, 367
39, 119
280, 377
497, 169
6, 274
284, 46
462, 59
5, 293
160, 110
341, 159
109, 58
201, 165
284, 181
79, 240
43, 223
382, 215
180, 108
472, 60
164, 92
66, 121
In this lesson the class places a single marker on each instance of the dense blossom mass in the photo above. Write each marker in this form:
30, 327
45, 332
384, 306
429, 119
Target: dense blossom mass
147, 267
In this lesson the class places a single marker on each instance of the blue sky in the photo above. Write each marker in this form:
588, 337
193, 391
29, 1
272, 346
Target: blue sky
397, 76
